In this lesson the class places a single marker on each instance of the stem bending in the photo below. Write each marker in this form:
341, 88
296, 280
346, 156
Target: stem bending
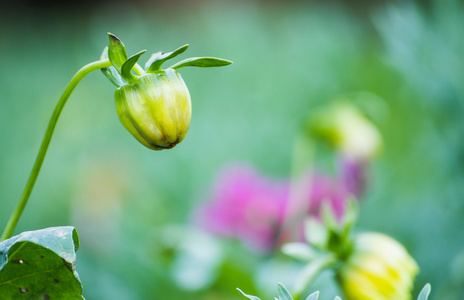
97, 65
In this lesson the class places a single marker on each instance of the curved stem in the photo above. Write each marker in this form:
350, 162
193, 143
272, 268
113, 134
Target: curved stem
46, 141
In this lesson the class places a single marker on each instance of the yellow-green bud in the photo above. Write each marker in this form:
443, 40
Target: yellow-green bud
155, 108
378, 268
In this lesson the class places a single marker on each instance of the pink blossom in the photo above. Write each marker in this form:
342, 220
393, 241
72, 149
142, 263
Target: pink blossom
263, 212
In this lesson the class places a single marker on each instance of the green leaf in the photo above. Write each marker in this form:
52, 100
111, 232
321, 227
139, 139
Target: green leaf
300, 251
313, 296
283, 293
157, 59
129, 64
40, 265
248, 296
425, 292
202, 62
116, 52
111, 73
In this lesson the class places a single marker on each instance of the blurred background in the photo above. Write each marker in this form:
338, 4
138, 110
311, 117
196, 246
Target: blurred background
133, 207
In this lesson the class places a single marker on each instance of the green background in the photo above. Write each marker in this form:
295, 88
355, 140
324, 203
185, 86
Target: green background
129, 203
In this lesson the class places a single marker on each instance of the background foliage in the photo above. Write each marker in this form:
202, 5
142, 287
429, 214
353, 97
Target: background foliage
132, 206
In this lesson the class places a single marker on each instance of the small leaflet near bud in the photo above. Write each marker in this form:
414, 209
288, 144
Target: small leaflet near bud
201, 62
157, 59
111, 72
129, 64
116, 51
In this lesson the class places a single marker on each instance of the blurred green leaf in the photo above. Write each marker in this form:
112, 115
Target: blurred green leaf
248, 296
425, 292
313, 296
299, 251
40, 265
202, 62
283, 293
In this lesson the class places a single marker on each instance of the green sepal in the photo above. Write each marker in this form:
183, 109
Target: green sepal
153, 65
116, 52
283, 293
111, 73
201, 62
129, 64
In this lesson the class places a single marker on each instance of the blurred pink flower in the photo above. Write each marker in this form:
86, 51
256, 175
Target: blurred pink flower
254, 208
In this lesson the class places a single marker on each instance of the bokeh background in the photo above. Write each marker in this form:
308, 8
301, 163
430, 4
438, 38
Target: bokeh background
132, 206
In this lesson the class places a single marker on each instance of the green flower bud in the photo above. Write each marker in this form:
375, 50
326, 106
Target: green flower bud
155, 109
378, 268
153, 104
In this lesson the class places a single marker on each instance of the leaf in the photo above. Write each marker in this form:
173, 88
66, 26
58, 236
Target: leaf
425, 292
283, 293
111, 73
313, 296
40, 265
157, 59
299, 251
116, 52
248, 296
129, 64
202, 62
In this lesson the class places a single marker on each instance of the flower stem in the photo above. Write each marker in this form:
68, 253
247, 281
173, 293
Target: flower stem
97, 65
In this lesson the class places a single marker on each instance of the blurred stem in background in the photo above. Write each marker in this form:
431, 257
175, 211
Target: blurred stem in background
97, 65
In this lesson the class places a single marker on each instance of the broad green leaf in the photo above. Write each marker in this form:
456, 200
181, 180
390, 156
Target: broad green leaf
111, 72
40, 265
116, 52
157, 59
202, 62
283, 293
313, 296
129, 64
425, 292
248, 296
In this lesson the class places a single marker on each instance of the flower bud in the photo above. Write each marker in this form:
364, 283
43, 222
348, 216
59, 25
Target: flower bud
344, 127
378, 268
153, 104
155, 109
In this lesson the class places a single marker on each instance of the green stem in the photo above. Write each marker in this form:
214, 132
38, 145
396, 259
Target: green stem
97, 65
310, 273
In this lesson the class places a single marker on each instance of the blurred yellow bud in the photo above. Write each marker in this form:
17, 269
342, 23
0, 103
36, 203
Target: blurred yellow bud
155, 109
346, 128
379, 268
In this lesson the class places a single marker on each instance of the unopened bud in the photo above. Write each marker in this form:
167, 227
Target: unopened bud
155, 109
379, 268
